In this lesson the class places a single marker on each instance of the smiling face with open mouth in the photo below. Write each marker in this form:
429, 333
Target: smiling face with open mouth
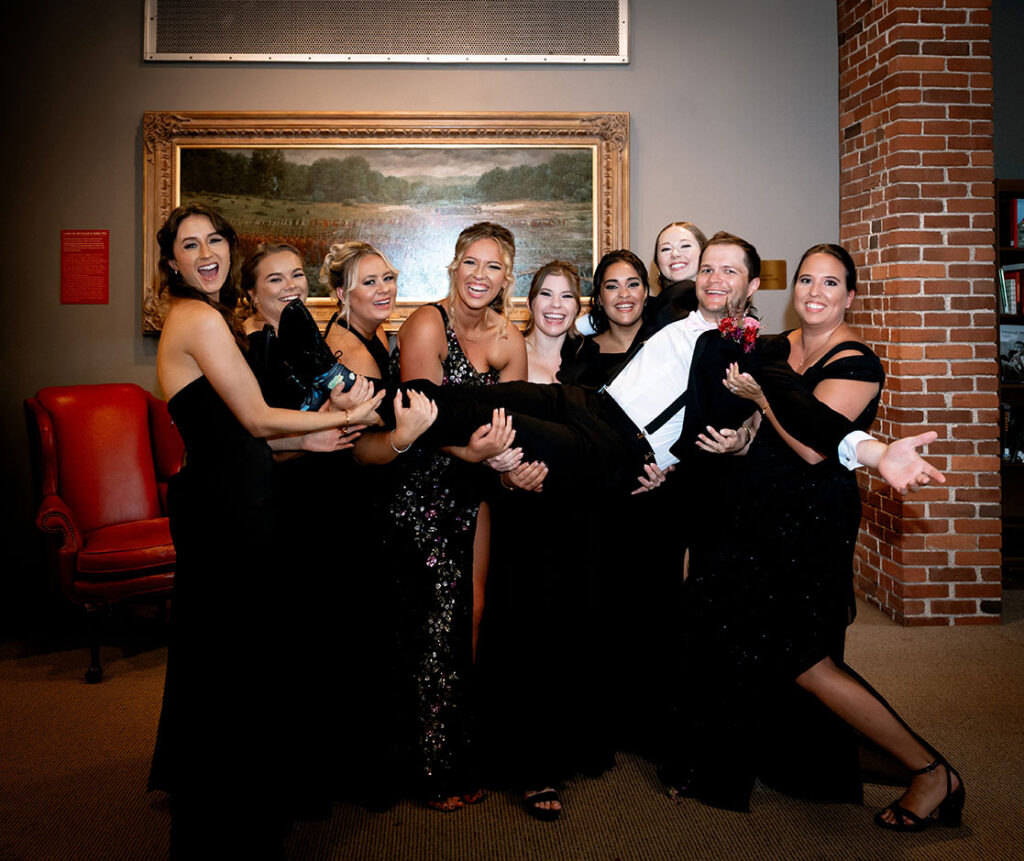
622, 294
481, 274
202, 256
555, 307
723, 282
371, 301
820, 297
280, 279
678, 253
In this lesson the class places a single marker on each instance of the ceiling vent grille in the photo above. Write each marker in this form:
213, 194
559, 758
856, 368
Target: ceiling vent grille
387, 31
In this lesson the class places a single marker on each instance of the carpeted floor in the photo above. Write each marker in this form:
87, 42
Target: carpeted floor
74, 759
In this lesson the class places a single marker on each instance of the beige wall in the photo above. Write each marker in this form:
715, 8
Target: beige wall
733, 108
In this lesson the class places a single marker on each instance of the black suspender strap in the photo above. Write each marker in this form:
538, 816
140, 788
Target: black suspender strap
659, 420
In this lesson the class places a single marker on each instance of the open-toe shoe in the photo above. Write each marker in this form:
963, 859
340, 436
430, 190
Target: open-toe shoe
533, 800
949, 811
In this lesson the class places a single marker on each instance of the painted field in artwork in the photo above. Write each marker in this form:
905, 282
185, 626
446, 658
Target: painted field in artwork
409, 204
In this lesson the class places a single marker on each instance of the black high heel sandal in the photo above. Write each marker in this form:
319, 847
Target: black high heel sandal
949, 811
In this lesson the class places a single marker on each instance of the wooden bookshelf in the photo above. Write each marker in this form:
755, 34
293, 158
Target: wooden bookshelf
1010, 330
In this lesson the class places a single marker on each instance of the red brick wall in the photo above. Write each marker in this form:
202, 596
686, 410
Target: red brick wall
916, 201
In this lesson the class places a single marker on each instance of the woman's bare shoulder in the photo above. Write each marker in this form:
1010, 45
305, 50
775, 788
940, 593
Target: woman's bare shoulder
425, 323
351, 351
340, 339
188, 314
514, 333
849, 335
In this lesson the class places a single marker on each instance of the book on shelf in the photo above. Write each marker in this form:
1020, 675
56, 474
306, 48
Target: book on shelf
1011, 433
1011, 352
1017, 222
1010, 277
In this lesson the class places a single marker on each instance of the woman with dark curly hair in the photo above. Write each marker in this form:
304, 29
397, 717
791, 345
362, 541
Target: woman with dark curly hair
616, 313
221, 750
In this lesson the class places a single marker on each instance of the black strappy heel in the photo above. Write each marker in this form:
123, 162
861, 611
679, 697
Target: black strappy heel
949, 812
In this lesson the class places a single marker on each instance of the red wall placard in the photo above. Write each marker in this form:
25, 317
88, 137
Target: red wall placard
84, 267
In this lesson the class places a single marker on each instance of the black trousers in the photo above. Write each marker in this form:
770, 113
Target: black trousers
581, 434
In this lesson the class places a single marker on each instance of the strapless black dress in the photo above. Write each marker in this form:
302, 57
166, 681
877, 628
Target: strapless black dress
216, 752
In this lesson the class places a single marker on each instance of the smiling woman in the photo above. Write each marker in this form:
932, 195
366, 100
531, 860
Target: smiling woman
222, 730
440, 528
272, 276
202, 254
366, 285
616, 315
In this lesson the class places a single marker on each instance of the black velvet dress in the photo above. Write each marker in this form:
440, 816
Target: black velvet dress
770, 593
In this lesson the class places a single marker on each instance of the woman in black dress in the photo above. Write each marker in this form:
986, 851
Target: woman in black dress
770, 595
616, 314
539, 658
221, 752
366, 285
677, 253
438, 529
639, 608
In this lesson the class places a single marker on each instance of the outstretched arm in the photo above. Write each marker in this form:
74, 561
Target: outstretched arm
899, 462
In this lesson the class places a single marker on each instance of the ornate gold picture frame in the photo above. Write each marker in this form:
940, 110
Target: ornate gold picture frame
406, 182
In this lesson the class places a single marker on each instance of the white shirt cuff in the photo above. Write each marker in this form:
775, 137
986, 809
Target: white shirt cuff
848, 448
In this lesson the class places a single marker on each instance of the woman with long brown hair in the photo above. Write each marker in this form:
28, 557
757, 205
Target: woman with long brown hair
221, 751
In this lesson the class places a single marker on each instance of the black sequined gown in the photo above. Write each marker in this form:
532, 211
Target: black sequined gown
770, 593
433, 521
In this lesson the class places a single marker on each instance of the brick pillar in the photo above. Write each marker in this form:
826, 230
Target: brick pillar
916, 201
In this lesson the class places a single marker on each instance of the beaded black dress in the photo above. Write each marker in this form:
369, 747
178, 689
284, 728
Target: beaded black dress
770, 593
433, 522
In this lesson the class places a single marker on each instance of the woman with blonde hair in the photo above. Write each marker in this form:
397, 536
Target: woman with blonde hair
440, 534
366, 286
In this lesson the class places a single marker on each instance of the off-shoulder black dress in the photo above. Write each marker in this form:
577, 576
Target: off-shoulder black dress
770, 593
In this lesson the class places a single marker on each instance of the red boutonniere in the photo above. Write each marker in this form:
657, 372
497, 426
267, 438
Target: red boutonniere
743, 331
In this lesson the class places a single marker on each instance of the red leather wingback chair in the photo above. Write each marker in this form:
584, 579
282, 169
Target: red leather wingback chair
102, 456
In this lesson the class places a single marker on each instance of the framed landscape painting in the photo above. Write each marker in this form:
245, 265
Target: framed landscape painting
407, 183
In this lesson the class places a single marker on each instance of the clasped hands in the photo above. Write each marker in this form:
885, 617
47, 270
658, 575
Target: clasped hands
515, 473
